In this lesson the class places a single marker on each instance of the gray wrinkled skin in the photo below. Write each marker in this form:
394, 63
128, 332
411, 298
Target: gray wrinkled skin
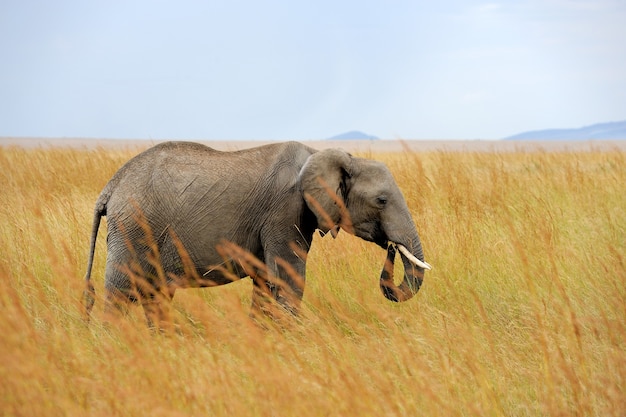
183, 215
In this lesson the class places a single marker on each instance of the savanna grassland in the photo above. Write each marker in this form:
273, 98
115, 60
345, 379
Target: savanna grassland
523, 314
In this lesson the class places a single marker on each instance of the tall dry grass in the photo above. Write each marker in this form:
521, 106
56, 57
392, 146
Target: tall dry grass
523, 314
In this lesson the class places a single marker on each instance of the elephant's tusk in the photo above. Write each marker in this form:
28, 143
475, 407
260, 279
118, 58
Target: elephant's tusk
412, 258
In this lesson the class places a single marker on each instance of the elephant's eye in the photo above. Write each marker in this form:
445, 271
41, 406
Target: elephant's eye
381, 200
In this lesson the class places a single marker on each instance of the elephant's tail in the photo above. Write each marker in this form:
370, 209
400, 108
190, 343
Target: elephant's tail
89, 294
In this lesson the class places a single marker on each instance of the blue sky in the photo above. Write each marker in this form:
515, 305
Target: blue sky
286, 69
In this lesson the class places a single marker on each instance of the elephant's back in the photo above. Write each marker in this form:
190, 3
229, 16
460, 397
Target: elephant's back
175, 178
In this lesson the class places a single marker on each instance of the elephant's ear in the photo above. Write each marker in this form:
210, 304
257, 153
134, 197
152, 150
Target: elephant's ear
324, 181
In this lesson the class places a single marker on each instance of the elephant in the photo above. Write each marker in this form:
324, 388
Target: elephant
184, 215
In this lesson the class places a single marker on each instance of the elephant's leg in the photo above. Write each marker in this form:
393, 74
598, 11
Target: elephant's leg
116, 304
119, 289
157, 307
263, 296
290, 293
288, 272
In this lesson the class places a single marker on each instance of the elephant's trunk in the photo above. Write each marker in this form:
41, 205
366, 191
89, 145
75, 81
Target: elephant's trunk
414, 266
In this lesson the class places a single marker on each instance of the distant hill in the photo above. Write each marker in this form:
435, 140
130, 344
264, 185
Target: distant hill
354, 135
612, 130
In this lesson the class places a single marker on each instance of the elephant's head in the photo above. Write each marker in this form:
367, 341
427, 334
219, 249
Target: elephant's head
360, 196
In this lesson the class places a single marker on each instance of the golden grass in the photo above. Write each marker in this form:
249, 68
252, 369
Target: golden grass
523, 314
